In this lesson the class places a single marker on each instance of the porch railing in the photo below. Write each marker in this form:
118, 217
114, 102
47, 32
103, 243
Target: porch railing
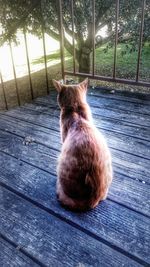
114, 78
92, 75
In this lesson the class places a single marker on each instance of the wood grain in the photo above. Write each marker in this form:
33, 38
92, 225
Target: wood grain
12, 256
116, 233
51, 240
114, 223
123, 190
115, 140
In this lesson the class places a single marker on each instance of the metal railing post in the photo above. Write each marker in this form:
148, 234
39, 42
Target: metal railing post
61, 39
92, 75
3, 89
28, 63
73, 36
93, 35
140, 40
116, 38
14, 72
45, 60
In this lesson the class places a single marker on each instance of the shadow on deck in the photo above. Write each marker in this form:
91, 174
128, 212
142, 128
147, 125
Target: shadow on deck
35, 230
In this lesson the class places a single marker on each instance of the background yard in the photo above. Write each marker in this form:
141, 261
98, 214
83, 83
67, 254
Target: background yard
126, 67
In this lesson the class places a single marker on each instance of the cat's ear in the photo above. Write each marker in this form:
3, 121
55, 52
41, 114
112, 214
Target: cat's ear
84, 84
57, 85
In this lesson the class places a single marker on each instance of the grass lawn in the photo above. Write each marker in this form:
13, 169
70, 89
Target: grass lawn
126, 68
126, 64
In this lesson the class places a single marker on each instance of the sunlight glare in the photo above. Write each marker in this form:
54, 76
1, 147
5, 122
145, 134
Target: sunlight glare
35, 50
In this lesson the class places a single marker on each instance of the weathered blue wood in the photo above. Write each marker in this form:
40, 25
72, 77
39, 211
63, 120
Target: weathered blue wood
121, 222
106, 123
115, 140
122, 100
128, 96
11, 256
52, 241
131, 165
122, 227
123, 190
123, 96
108, 112
108, 101
114, 104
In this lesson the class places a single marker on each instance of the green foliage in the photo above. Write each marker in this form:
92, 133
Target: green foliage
35, 15
49, 58
126, 64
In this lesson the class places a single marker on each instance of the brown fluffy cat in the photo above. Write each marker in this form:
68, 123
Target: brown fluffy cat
84, 169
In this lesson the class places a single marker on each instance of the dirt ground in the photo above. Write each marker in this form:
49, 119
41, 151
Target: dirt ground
39, 86
38, 83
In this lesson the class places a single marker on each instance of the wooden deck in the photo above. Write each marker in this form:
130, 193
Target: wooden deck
35, 230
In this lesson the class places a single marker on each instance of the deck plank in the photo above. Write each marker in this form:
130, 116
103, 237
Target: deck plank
114, 104
113, 222
126, 96
123, 190
131, 165
122, 96
12, 256
32, 218
105, 123
115, 140
48, 238
114, 113
106, 102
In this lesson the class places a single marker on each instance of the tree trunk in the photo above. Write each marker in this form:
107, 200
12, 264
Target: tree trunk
84, 60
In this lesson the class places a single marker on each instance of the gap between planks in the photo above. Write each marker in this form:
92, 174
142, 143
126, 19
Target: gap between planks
55, 130
54, 174
37, 138
74, 225
132, 125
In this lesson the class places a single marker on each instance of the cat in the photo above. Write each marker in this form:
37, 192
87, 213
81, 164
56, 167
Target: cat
84, 171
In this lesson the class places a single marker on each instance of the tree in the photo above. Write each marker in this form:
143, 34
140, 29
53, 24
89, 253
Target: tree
34, 15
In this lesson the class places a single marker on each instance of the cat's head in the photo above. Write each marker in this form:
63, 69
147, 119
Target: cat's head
71, 95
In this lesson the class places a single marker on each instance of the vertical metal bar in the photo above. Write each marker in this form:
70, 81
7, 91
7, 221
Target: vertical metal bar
116, 38
73, 36
14, 71
45, 60
28, 63
140, 40
61, 39
3, 89
93, 33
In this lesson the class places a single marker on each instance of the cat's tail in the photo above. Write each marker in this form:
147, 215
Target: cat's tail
71, 203
83, 204
96, 195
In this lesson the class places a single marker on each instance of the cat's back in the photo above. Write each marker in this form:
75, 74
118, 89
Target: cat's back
84, 154
85, 139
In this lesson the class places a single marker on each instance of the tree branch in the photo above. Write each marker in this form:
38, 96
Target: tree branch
99, 17
52, 34
103, 41
56, 36
100, 26
70, 32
